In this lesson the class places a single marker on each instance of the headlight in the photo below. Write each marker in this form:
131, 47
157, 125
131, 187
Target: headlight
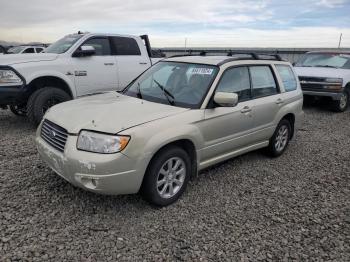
8, 77
101, 143
334, 80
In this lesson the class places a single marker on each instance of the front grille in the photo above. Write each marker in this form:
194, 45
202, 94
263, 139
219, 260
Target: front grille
312, 83
54, 135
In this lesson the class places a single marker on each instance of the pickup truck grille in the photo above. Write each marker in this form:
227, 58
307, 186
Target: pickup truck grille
312, 83
54, 135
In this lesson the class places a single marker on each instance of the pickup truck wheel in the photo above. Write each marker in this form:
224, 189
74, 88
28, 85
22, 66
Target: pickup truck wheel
166, 177
342, 104
41, 100
18, 110
280, 139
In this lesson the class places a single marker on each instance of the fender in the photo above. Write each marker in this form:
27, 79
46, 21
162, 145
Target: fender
168, 136
50, 73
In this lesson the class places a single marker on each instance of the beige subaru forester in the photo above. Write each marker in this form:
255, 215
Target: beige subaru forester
180, 116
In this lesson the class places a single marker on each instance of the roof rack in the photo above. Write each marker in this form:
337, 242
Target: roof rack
251, 55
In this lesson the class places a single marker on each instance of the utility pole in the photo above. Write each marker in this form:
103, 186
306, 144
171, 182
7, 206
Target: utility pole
340, 38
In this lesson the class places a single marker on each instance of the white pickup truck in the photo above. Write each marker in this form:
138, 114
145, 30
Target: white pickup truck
327, 75
74, 66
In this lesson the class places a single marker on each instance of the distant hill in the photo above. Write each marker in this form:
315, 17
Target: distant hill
5, 43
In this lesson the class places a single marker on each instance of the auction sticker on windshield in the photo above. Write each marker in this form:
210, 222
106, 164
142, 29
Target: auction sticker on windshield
202, 71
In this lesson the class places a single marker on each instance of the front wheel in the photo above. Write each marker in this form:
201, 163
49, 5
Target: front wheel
342, 104
166, 177
41, 100
280, 139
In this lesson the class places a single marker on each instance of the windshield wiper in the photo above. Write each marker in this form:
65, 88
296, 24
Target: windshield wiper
166, 93
325, 66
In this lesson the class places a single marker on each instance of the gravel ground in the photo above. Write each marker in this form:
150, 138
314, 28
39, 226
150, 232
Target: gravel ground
296, 207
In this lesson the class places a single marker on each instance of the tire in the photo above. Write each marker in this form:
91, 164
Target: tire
280, 139
157, 172
342, 104
18, 110
41, 100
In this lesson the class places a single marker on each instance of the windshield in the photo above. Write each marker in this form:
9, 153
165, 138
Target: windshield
173, 83
16, 50
62, 45
325, 60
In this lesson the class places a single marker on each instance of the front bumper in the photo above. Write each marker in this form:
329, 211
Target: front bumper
13, 95
333, 95
111, 174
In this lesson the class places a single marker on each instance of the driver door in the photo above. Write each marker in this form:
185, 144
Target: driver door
227, 129
96, 73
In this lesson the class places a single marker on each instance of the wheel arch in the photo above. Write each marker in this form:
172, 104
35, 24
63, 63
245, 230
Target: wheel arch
291, 119
186, 144
52, 81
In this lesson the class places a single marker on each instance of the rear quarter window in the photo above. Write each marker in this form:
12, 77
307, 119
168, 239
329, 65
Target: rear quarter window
288, 78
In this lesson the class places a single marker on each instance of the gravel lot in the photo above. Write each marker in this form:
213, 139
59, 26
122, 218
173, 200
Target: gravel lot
296, 207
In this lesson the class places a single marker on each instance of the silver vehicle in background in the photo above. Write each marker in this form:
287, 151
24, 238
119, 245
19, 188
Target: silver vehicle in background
182, 115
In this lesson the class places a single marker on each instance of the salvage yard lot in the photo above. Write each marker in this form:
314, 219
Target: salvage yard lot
296, 207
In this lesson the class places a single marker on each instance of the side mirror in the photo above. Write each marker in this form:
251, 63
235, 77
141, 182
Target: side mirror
85, 50
226, 99
294, 64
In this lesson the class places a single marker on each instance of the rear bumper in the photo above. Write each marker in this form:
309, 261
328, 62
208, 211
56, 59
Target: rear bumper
333, 95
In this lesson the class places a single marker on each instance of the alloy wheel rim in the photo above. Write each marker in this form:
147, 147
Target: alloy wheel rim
171, 177
281, 138
343, 100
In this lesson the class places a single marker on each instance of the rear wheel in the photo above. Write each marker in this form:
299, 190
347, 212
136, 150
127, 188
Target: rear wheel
41, 100
166, 177
342, 104
280, 139
18, 110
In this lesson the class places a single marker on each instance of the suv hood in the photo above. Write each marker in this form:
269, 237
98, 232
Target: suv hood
26, 58
321, 72
109, 113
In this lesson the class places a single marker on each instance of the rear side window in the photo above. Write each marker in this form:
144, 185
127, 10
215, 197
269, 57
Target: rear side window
101, 46
288, 77
263, 82
236, 80
29, 51
125, 46
38, 50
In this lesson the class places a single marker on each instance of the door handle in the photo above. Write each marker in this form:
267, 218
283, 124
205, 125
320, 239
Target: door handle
279, 101
246, 109
143, 63
109, 64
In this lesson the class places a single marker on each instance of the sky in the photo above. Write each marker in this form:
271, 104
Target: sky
180, 23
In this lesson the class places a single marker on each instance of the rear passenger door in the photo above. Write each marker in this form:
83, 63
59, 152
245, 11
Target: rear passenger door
267, 100
129, 58
96, 73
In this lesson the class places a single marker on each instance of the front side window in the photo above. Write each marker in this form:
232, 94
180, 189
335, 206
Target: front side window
38, 50
263, 82
29, 51
288, 77
333, 60
61, 46
101, 46
125, 46
173, 83
236, 80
